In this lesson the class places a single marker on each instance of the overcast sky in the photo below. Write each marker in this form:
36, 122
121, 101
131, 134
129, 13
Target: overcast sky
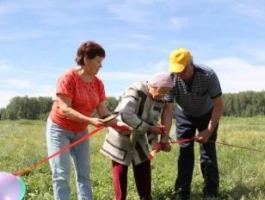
39, 39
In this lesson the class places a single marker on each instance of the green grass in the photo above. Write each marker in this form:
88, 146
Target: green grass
241, 170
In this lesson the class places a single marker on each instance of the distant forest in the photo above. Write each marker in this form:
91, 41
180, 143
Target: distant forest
242, 104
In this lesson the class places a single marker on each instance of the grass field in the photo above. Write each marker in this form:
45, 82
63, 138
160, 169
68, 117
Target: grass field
241, 166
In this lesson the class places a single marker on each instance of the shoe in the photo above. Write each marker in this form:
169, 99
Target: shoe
181, 196
213, 197
212, 194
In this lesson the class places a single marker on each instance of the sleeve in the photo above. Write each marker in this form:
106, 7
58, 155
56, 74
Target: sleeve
66, 85
169, 97
214, 86
101, 90
128, 108
151, 136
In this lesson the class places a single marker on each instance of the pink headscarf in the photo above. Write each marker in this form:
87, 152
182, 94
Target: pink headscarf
161, 80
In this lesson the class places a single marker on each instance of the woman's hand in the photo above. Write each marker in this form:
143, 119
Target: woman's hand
155, 145
96, 122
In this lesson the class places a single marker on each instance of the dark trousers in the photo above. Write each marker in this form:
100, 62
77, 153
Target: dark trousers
142, 177
186, 128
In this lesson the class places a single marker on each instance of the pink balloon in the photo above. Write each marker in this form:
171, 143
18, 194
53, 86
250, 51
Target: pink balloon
10, 187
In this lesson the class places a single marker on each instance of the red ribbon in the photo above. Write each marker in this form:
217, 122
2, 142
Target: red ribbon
122, 128
58, 152
88, 135
151, 155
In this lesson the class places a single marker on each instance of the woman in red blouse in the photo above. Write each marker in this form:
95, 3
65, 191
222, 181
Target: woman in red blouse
79, 93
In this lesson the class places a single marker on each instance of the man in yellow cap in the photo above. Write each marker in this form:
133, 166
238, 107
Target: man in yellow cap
199, 106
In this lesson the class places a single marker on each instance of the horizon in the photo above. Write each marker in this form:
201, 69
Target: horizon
117, 98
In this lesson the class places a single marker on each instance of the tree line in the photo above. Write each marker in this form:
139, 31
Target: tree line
36, 108
242, 104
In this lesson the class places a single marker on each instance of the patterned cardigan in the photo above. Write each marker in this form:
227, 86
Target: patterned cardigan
138, 110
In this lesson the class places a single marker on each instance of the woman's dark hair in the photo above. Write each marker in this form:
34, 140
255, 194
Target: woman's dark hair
90, 50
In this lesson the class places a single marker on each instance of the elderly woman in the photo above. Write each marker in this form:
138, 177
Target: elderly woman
139, 108
79, 93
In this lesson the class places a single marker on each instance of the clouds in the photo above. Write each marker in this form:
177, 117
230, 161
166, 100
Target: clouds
23, 81
254, 11
147, 15
4, 66
127, 13
39, 41
237, 75
256, 54
178, 22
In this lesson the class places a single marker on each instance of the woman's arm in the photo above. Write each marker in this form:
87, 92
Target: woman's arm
65, 105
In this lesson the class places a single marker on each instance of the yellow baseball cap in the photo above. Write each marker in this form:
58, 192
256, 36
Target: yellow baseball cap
178, 60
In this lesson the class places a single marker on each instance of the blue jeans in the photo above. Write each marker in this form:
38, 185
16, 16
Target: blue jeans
57, 138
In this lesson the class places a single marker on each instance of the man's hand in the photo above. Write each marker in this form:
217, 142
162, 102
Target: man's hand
164, 142
165, 147
155, 129
203, 136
